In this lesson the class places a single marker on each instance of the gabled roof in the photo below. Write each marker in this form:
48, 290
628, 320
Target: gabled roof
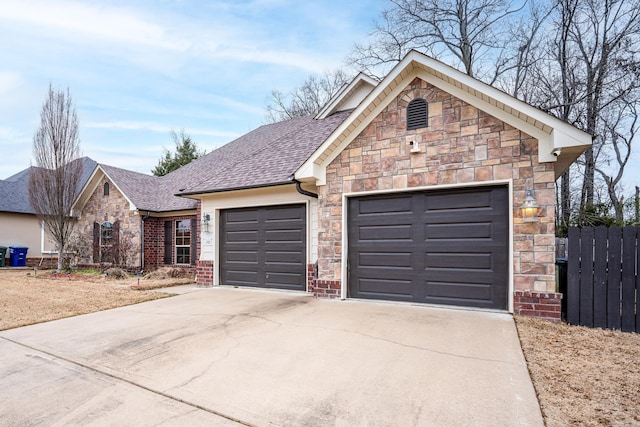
349, 95
266, 156
554, 136
143, 192
14, 191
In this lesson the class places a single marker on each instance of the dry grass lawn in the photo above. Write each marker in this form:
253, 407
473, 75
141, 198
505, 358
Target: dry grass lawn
28, 297
583, 377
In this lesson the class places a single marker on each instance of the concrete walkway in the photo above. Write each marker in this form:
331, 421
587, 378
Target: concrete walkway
247, 357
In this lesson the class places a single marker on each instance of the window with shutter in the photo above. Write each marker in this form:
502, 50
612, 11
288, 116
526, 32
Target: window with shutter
417, 112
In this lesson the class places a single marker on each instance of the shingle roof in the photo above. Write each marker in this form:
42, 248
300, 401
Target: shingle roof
14, 191
267, 155
147, 192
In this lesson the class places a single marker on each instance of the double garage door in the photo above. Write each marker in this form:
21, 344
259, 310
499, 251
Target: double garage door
442, 247
264, 247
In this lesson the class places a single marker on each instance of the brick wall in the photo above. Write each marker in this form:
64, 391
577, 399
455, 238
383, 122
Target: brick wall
546, 305
154, 242
204, 273
461, 145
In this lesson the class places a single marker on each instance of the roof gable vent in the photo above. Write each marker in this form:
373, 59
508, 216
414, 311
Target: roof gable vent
417, 114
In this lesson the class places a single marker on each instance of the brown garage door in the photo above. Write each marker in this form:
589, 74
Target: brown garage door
443, 247
264, 247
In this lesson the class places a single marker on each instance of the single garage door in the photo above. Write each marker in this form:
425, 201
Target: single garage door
264, 247
442, 247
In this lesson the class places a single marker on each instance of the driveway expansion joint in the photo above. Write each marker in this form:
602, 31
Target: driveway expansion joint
118, 378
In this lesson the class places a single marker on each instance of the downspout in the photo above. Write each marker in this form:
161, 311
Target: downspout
144, 218
300, 189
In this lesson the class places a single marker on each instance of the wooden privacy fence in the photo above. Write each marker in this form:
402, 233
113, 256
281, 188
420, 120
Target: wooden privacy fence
602, 277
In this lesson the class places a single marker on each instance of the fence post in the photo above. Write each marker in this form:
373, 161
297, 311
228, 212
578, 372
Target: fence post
586, 278
613, 285
600, 278
628, 294
573, 276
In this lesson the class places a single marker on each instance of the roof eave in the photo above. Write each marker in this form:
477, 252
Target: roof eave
226, 190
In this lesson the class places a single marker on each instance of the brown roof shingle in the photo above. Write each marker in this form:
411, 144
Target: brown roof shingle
265, 156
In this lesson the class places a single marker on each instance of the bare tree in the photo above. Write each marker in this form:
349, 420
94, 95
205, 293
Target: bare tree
309, 98
591, 66
620, 131
54, 182
471, 32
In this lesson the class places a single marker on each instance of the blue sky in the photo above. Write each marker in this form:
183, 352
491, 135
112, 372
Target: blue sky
137, 70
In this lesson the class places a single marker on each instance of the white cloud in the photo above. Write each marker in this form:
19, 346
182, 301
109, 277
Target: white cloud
115, 24
9, 81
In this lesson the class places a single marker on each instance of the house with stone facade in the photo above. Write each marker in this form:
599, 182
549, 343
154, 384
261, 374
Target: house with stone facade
410, 189
133, 219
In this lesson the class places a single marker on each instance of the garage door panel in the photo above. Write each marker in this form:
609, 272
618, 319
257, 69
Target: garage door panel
286, 213
385, 259
470, 261
241, 236
241, 216
241, 256
377, 288
451, 249
240, 276
385, 232
460, 231
401, 205
284, 257
466, 294
452, 200
281, 280
284, 235
264, 247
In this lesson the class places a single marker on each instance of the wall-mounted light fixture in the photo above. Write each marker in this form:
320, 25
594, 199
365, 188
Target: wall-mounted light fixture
414, 147
529, 208
206, 218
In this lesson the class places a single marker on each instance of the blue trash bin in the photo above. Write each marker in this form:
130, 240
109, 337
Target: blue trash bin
18, 256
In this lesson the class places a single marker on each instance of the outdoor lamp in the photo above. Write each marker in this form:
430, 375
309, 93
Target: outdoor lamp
205, 222
529, 208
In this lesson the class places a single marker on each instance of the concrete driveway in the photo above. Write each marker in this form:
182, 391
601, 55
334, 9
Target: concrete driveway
225, 356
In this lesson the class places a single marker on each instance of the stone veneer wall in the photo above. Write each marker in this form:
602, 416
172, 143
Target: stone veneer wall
461, 145
112, 208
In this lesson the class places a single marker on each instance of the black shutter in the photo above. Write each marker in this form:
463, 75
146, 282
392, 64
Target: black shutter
168, 242
194, 241
115, 244
96, 243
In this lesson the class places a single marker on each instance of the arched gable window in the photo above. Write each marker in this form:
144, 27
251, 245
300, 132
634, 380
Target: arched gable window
106, 189
417, 113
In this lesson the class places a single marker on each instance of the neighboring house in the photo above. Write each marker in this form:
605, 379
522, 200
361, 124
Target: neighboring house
406, 190
19, 226
129, 218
